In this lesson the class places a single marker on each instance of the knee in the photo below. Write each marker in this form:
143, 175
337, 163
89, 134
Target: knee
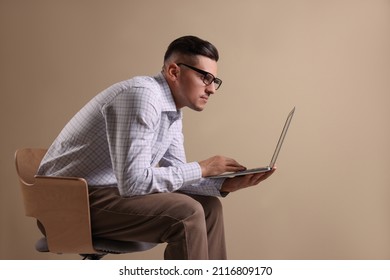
215, 204
191, 217
213, 207
188, 208
198, 209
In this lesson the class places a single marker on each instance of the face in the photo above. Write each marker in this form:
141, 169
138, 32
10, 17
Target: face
188, 88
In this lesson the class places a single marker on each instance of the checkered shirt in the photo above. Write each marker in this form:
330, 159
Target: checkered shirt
129, 136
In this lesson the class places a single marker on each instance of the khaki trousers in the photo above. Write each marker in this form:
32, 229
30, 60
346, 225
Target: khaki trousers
191, 225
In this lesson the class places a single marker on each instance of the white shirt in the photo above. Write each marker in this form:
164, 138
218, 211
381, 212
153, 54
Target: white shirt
129, 136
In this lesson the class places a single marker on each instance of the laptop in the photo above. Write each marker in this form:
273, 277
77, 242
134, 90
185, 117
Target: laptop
273, 159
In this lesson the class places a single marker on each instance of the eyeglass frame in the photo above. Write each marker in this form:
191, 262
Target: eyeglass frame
217, 81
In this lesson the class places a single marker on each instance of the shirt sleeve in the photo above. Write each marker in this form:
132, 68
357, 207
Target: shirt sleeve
132, 119
175, 155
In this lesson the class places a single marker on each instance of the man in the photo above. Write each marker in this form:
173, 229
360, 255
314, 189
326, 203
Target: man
127, 142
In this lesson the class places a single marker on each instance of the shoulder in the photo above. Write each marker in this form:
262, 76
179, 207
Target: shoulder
145, 82
138, 90
134, 85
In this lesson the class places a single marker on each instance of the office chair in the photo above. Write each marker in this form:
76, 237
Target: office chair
61, 207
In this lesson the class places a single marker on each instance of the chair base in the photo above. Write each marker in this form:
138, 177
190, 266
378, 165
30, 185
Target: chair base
103, 247
93, 257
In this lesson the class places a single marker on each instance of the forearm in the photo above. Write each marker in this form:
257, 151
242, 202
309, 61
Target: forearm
208, 187
159, 179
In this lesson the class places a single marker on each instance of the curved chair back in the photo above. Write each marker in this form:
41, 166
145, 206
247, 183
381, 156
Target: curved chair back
27, 162
61, 205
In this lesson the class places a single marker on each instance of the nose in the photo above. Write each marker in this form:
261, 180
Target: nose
210, 89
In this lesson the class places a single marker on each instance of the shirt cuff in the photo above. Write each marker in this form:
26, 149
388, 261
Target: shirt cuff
192, 173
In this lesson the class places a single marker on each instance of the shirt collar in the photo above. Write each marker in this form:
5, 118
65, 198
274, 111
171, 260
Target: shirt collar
168, 104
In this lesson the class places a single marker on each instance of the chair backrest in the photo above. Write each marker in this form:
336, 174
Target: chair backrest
27, 162
61, 204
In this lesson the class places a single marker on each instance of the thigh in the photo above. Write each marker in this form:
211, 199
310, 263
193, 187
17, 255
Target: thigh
141, 218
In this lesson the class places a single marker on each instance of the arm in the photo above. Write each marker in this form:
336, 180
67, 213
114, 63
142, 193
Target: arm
212, 166
175, 155
134, 127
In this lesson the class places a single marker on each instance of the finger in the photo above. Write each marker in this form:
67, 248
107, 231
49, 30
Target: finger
235, 168
262, 176
233, 163
251, 179
267, 175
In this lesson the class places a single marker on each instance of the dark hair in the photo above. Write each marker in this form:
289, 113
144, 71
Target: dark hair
192, 46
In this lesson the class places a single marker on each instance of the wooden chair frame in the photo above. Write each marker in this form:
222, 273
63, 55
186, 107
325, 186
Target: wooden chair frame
61, 206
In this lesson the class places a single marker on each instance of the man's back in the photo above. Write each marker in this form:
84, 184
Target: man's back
82, 149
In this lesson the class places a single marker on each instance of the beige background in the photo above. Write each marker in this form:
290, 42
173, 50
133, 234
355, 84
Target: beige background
330, 59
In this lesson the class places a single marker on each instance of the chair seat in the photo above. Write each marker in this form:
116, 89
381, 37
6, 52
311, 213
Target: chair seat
106, 246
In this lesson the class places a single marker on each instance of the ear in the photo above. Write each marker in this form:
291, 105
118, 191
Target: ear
172, 71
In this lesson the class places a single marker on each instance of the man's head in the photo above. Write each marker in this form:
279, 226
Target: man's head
190, 68
191, 46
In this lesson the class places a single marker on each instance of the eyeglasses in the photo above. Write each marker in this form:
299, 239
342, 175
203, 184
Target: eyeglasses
207, 78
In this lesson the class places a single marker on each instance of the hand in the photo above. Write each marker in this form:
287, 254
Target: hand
219, 164
242, 182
